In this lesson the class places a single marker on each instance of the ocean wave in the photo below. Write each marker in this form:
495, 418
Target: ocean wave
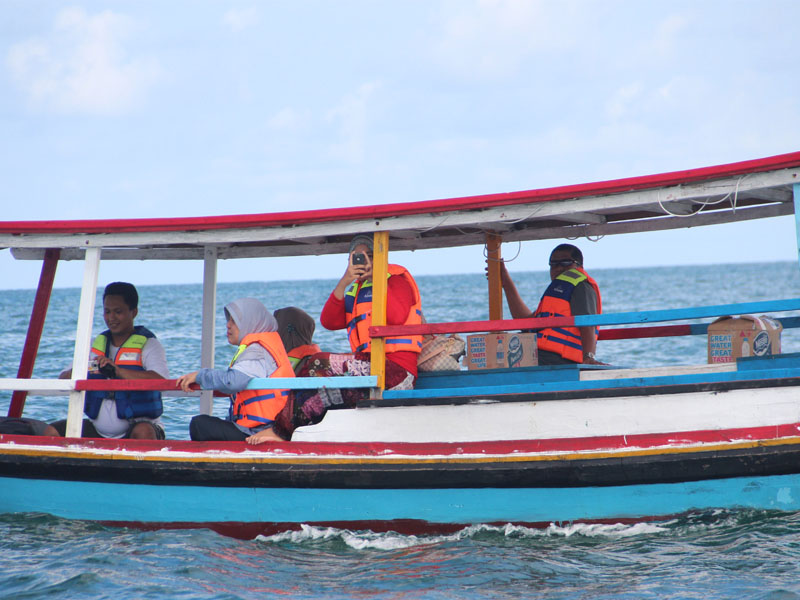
370, 540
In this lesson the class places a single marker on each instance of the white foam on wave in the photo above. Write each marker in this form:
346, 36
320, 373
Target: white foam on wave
359, 540
370, 540
615, 530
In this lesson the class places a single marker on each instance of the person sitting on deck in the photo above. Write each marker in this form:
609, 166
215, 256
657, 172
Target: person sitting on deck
572, 291
260, 354
123, 351
296, 328
25, 426
350, 307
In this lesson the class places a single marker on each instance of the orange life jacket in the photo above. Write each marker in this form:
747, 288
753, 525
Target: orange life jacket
358, 315
255, 408
300, 352
565, 341
129, 404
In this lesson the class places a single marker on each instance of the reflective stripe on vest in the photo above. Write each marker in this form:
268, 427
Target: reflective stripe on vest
298, 353
255, 408
358, 315
130, 404
555, 302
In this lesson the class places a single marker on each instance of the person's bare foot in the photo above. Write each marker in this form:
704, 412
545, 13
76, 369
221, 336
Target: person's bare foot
265, 435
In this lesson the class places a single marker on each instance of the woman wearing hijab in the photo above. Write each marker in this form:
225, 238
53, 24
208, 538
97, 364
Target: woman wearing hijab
252, 328
350, 307
296, 328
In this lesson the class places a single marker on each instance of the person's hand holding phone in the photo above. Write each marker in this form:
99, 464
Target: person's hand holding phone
360, 266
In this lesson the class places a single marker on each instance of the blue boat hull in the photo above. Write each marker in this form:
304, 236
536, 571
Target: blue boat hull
288, 507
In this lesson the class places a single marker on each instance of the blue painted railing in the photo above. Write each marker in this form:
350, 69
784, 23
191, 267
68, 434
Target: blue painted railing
529, 380
313, 383
547, 378
682, 314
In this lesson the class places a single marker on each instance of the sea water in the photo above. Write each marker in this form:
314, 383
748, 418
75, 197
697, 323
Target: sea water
711, 554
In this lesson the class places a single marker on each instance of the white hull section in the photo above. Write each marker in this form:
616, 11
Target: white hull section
493, 421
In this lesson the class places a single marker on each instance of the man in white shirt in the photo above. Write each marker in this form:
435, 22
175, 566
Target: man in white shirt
123, 351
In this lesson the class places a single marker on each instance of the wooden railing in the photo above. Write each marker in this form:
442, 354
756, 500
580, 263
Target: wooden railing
64, 386
622, 318
50, 387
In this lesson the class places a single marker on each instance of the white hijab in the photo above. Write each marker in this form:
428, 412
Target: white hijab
250, 316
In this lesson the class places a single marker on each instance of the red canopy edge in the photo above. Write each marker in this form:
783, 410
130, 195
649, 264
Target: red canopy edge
772, 163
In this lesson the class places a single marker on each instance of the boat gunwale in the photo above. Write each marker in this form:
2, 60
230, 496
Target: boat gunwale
222, 451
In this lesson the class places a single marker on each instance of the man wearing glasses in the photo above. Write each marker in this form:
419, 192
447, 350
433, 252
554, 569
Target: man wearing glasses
572, 291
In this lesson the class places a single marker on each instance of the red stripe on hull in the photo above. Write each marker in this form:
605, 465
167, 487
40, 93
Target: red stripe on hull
349, 449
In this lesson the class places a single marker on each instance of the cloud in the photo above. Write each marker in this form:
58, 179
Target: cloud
241, 19
82, 66
289, 119
351, 117
492, 38
619, 104
665, 40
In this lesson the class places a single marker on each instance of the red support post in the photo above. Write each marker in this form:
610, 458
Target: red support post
35, 328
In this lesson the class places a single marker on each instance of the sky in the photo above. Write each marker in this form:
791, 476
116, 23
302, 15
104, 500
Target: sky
189, 108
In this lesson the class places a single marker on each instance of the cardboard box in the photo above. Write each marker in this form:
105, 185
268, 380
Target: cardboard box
501, 350
732, 337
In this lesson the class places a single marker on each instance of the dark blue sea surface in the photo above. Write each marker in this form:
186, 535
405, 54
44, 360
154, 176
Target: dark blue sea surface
708, 555
713, 555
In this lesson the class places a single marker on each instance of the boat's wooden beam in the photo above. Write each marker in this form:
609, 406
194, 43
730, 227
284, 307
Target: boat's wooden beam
83, 339
796, 207
405, 235
680, 207
169, 386
582, 217
49, 387
380, 276
621, 318
440, 238
319, 239
654, 224
782, 194
582, 387
315, 383
35, 328
207, 345
493, 258
288, 239
496, 228
416, 231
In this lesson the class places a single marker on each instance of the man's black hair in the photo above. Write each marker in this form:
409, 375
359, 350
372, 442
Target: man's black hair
574, 252
124, 289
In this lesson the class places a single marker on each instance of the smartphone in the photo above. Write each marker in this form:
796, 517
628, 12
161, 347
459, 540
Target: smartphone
108, 370
359, 258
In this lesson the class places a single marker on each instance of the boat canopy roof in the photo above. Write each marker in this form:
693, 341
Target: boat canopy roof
721, 194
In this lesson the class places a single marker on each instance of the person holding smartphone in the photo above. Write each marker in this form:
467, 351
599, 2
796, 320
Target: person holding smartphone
350, 307
123, 351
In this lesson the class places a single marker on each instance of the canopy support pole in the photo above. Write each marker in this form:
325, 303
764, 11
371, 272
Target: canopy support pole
493, 259
209, 310
35, 327
83, 339
380, 272
796, 190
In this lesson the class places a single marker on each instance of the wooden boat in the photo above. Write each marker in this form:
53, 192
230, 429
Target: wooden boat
531, 445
